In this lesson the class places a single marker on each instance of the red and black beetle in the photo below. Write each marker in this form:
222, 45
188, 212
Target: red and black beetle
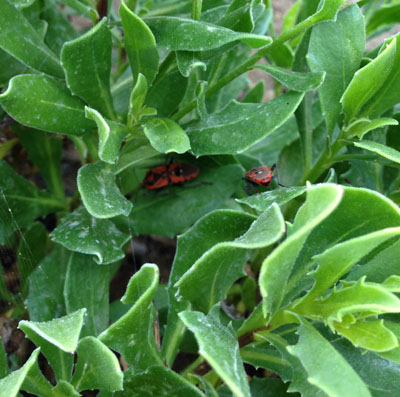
167, 175
260, 176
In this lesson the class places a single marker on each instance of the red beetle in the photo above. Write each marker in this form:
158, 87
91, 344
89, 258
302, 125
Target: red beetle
167, 175
260, 175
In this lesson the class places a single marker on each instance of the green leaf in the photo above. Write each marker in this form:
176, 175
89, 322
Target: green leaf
331, 374
209, 278
99, 192
276, 268
44, 103
256, 94
207, 192
380, 149
187, 62
267, 387
87, 286
45, 300
240, 125
339, 57
281, 196
19, 38
296, 81
64, 389
361, 126
81, 233
133, 334
3, 361
31, 250
181, 34
111, 135
87, 64
35, 383
9, 67
45, 152
140, 45
219, 346
336, 261
57, 340
360, 297
386, 14
370, 335
97, 367
160, 380
21, 202
10, 385
367, 81
83, 7
166, 136
138, 95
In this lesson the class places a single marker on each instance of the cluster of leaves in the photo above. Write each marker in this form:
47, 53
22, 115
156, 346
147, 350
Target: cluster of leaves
318, 304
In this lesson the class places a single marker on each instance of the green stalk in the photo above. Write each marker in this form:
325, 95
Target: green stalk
196, 9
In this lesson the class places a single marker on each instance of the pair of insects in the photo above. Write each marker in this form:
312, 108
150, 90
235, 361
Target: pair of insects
177, 173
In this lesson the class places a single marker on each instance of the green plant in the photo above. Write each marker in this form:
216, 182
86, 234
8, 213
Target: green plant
318, 303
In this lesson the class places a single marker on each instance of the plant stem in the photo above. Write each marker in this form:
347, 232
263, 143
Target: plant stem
196, 9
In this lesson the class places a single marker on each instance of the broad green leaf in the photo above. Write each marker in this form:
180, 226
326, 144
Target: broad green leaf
331, 373
99, 192
262, 355
256, 94
388, 94
209, 278
360, 297
370, 212
370, 335
268, 387
35, 383
211, 230
19, 38
31, 250
386, 14
9, 67
87, 286
276, 268
158, 379
21, 202
64, 389
87, 64
280, 196
367, 81
380, 149
81, 232
219, 346
336, 261
361, 126
45, 152
140, 45
181, 34
368, 365
240, 125
111, 135
97, 367
44, 103
57, 340
10, 385
296, 81
133, 334
166, 136
207, 192
45, 300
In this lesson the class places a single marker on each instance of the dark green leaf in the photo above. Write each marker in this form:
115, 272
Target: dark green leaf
35, 382
386, 14
87, 64
166, 136
296, 81
140, 45
3, 361
21, 202
82, 233
240, 125
100, 194
21, 40
339, 56
219, 346
44, 103
9, 67
133, 334
181, 34
87, 286
97, 367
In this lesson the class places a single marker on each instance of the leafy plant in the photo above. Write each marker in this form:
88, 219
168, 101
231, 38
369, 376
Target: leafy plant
292, 290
